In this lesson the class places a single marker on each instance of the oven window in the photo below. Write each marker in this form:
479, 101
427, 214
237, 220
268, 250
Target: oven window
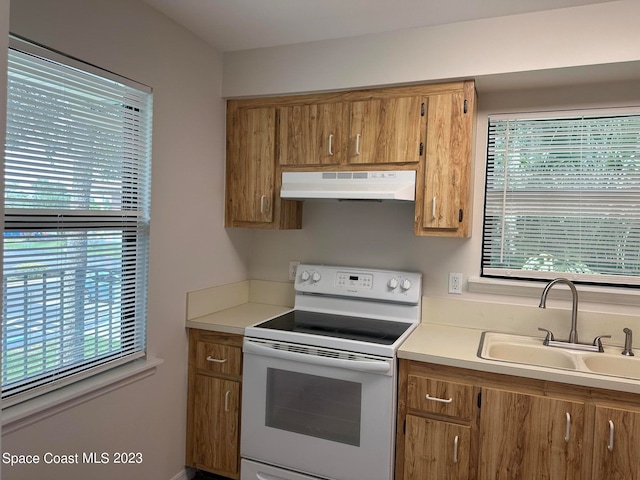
314, 406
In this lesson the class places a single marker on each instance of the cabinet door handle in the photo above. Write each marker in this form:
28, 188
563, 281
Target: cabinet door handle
611, 432
567, 433
358, 144
455, 449
433, 208
436, 399
262, 199
331, 144
216, 360
226, 400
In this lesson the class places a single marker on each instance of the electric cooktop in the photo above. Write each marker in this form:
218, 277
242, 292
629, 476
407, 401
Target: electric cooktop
368, 330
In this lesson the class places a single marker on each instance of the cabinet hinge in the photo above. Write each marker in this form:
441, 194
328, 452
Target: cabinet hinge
460, 215
465, 105
479, 399
421, 148
422, 109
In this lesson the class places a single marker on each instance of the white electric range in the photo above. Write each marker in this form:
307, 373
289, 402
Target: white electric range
320, 382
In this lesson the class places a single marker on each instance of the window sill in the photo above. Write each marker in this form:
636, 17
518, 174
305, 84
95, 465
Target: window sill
523, 288
38, 408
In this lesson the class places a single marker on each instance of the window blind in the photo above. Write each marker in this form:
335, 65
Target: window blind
563, 197
77, 192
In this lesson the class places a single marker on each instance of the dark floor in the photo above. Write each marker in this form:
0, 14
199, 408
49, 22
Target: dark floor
200, 475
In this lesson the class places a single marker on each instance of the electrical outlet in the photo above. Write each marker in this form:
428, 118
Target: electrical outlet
455, 283
293, 268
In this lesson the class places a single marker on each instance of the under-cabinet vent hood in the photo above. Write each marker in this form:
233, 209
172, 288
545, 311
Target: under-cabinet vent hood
369, 185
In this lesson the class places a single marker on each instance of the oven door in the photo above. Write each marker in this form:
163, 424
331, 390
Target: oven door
306, 409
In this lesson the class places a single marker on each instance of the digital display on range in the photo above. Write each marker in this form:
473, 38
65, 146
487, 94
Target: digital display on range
354, 280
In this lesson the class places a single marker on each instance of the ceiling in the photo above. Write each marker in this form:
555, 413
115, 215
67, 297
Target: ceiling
230, 25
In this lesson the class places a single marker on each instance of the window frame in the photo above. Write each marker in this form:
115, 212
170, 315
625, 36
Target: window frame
489, 272
136, 222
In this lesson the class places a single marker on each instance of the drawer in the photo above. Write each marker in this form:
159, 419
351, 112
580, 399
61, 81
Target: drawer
217, 358
441, 397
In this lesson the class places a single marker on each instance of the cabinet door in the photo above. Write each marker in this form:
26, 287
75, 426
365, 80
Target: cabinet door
447, 163
251, 163
386, 130
530, 437
436, 449
312, 134
616, 444
215, 428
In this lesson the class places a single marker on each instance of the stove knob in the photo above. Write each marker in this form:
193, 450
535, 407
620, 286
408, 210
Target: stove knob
392, 283
304, 276
405, 284
315, 277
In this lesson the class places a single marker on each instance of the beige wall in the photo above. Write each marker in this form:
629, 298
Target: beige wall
598, 34
189, 247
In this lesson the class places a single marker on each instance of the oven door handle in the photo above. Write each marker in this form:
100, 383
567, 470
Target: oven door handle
372, 366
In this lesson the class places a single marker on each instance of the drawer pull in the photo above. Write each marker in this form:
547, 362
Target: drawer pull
436, 399
611, 431
216, 360
455, 449
567, 433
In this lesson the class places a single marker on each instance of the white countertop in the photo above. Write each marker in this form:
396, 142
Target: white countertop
458, 347
236, 319
243, 304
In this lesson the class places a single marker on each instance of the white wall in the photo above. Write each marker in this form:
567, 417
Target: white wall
189, 247
590, 35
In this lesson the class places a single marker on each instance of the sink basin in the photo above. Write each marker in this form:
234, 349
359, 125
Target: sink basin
526, 350
617, 365
531, 355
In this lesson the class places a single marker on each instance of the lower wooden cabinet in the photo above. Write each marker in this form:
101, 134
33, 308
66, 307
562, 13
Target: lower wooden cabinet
616, 445
530, 436
437, 424
463, 424
436, 449
213, 414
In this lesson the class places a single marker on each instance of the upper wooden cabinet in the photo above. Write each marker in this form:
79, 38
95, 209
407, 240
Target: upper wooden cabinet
443, 201
425, 128
252, 196
366, 132
312, 134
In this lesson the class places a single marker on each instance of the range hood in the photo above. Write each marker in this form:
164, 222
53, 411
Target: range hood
369, 185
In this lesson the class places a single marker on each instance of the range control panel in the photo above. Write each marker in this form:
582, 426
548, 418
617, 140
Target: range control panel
373, 284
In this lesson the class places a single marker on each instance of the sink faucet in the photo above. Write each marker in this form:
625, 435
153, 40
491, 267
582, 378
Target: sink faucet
573, 333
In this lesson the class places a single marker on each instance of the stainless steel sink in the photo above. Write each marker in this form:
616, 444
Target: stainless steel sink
520, 349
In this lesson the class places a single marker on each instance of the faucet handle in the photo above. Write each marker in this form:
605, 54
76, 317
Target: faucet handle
549, 337
597, 342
